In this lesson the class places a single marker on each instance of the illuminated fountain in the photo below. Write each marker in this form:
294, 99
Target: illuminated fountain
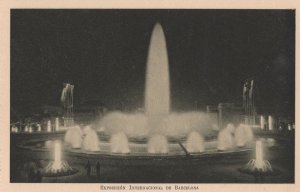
159, 124
157, 96
259, 167
259, 164
243, 135
90, 141
119, 143
158, 144
225, 138
158, 130
195, 143
73, 137
58, 167
57, 164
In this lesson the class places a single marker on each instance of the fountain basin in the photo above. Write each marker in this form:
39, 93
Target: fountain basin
273, 172
137, 150
65, 170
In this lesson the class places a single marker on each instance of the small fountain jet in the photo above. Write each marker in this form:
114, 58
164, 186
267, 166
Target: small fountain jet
259, 167
259, 164
58, 167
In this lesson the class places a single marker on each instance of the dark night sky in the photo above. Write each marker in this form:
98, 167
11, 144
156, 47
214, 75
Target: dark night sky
104, 52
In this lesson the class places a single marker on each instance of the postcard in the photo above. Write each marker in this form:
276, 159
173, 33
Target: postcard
149, 96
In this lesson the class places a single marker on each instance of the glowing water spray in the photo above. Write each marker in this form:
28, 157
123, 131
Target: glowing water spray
57, 156
259, 164
157, 95
259, 155
57, 165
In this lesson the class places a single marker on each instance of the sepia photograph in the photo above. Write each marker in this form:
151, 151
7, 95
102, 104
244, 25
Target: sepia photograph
152, 96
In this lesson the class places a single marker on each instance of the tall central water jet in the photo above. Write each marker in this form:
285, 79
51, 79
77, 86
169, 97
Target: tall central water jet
157, 98
158, 122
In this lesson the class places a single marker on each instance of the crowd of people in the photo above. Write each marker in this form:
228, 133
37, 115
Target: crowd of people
34, 174
88, 168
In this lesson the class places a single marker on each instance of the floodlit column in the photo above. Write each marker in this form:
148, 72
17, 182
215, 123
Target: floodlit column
26, 128
49, 126
56, 124
262, 122
270, 122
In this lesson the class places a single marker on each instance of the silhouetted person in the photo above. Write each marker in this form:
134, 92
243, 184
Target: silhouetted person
38, 176
88, 168
31, 175
98, 169
258, 177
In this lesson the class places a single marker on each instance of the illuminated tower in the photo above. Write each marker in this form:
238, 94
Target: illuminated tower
67, 102
248, 102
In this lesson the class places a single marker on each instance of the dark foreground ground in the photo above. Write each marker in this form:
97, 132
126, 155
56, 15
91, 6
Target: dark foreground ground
207, 169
